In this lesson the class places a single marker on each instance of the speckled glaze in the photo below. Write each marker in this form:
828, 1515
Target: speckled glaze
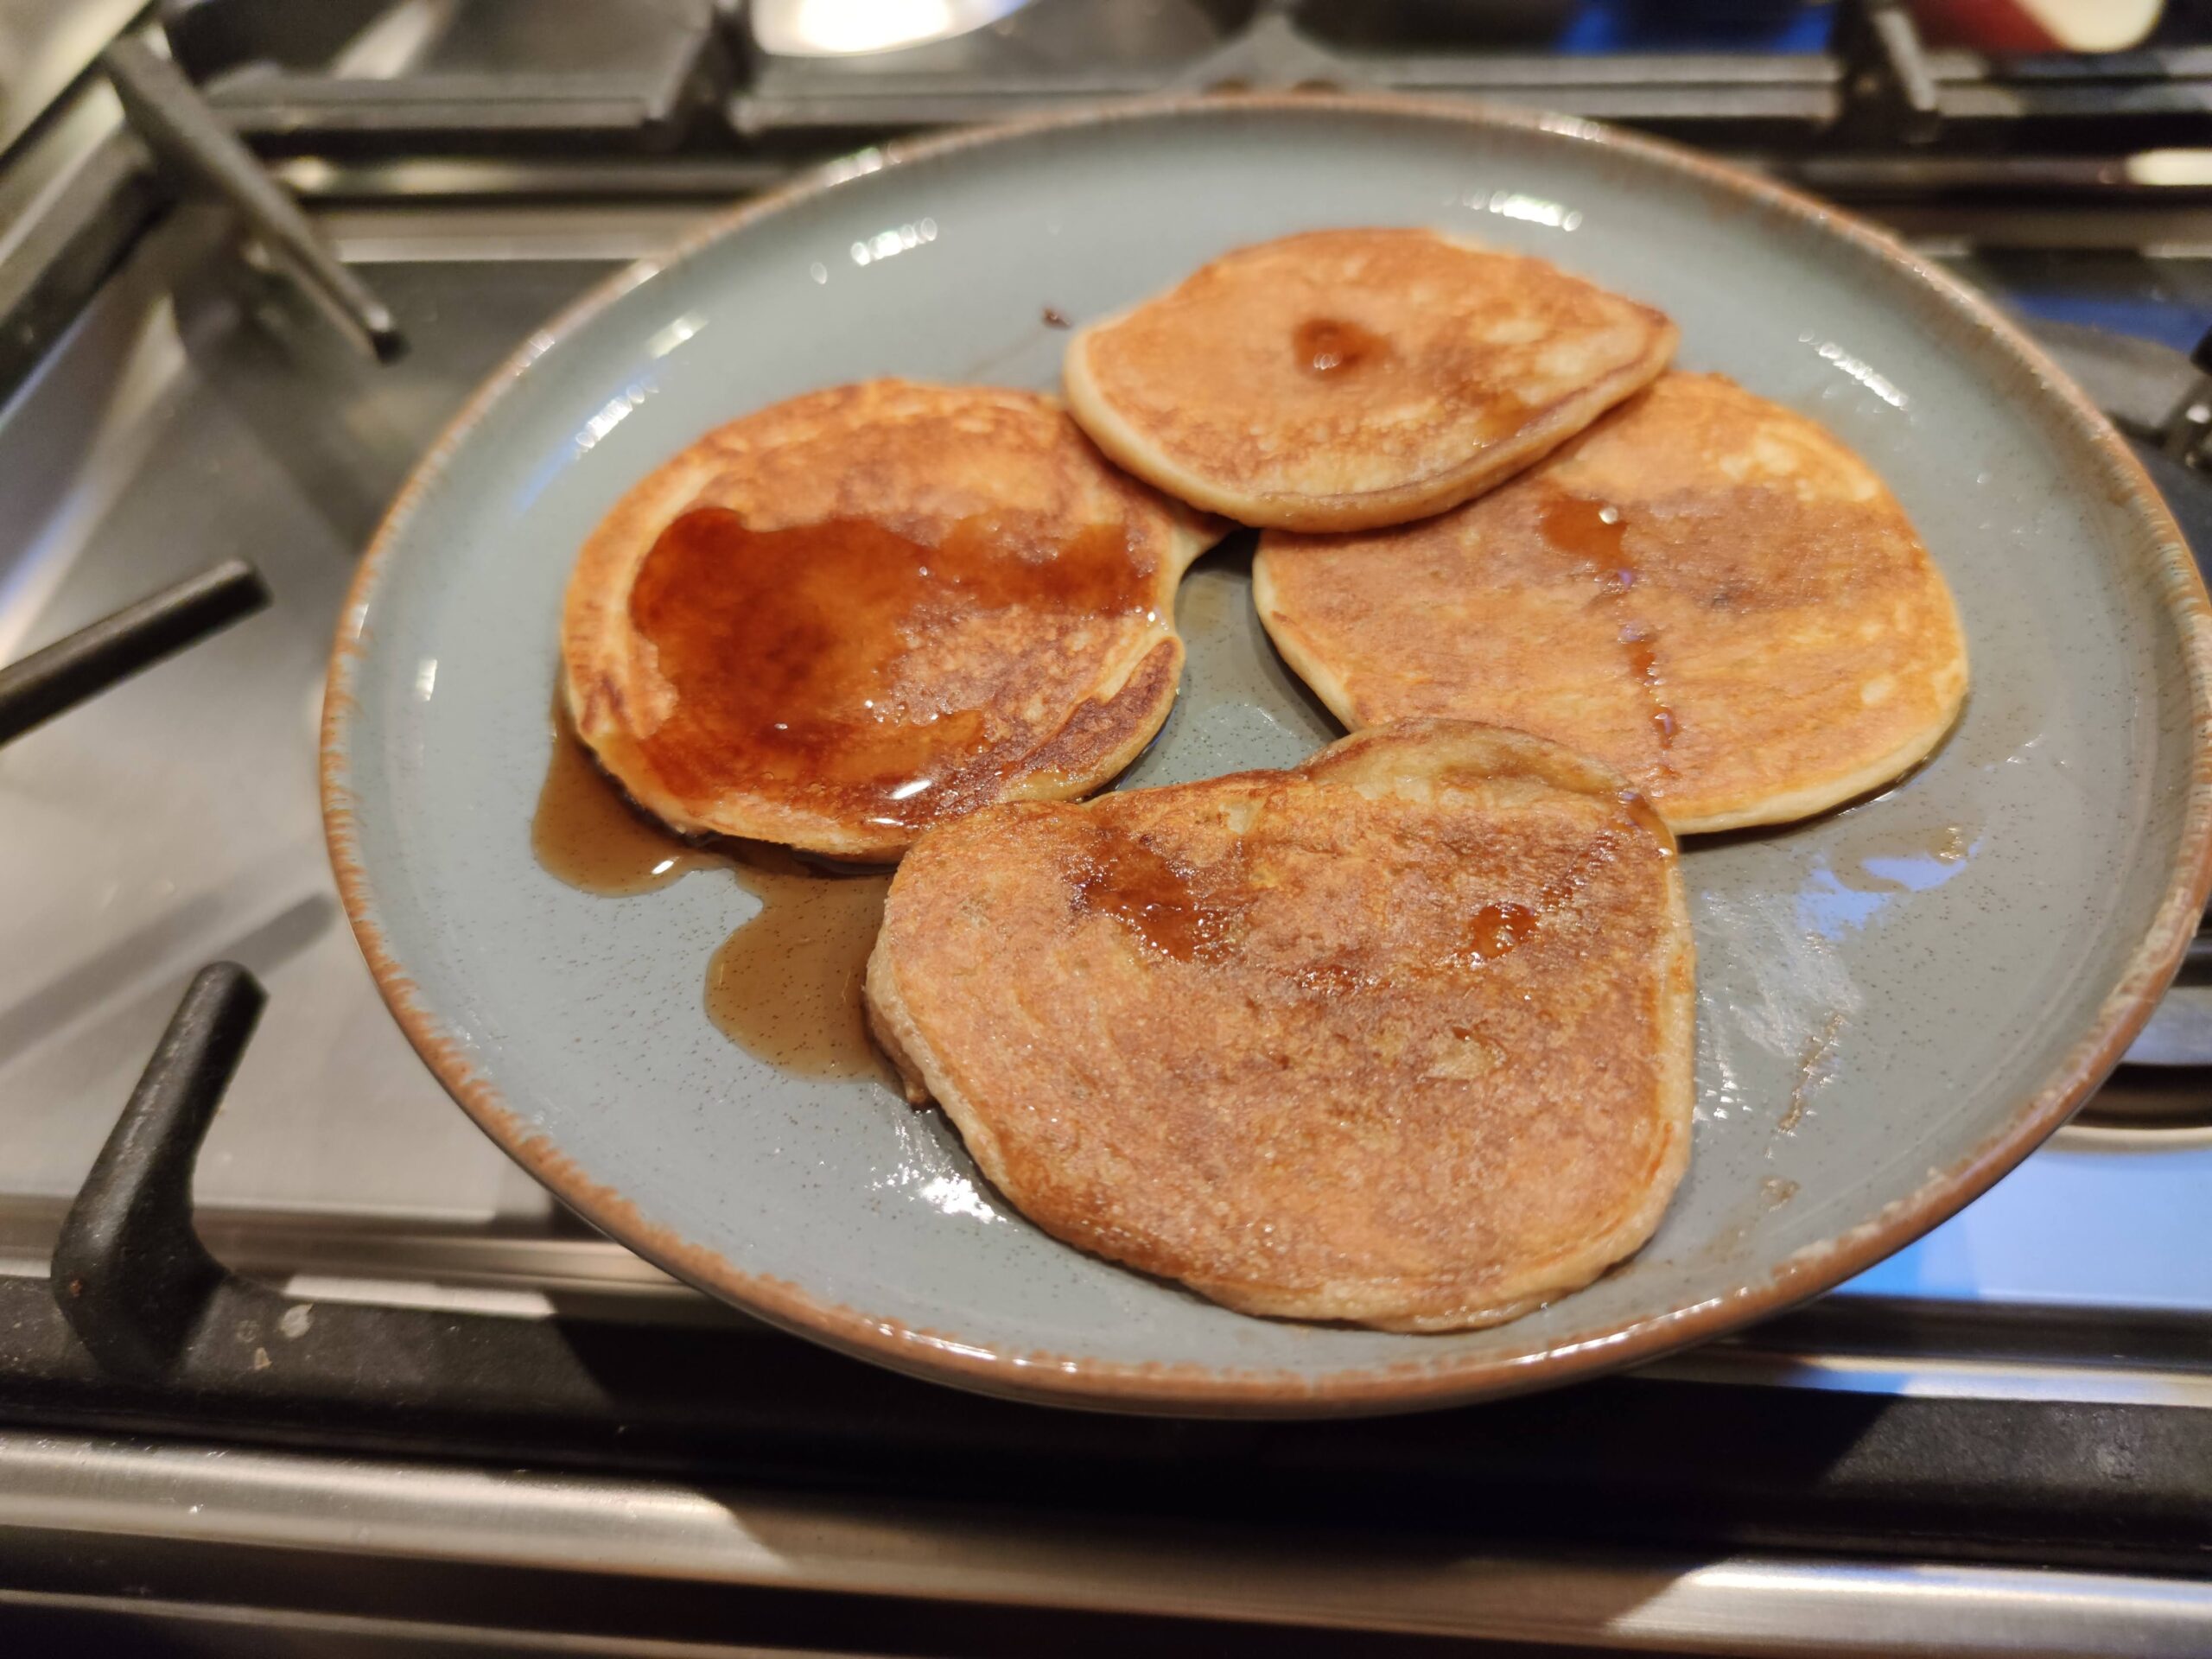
1897, 1002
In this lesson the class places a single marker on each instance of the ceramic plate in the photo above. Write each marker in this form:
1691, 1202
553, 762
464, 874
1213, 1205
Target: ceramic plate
1896, 1001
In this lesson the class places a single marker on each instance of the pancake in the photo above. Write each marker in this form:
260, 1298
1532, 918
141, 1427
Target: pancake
847, 617
1403, 1036
1707, 590
1346, 379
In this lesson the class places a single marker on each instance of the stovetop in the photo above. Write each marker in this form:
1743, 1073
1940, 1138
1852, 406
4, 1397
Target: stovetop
198, 408
173, 821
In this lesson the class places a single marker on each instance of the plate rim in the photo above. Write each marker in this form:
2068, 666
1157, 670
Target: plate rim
1198, 1389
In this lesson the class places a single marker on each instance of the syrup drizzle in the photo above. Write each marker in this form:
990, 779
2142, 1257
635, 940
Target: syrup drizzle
1196, 915
1330, 345
1597, 531
1499, 929
1504, 411
1121, 875
1644, 663
782, 648
1502, 927
1646, 817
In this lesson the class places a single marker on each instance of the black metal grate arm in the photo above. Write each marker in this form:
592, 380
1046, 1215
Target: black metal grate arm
48, 682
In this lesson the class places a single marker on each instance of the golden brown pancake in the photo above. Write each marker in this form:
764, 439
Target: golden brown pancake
1401, 1036
847, 617
1706, 591
1345, 379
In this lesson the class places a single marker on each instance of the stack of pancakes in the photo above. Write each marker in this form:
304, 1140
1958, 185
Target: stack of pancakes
1404, 1035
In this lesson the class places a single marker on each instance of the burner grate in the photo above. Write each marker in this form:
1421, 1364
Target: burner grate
142, 1329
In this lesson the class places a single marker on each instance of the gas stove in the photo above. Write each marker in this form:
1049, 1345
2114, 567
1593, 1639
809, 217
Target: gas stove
404, 1358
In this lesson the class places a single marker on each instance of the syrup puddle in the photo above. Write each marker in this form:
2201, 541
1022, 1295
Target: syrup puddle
785, 985
589, 834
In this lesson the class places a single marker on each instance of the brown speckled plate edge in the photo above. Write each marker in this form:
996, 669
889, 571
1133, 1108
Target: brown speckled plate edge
1200, 1390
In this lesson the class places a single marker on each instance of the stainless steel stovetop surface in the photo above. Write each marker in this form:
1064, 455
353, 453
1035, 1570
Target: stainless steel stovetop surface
174, 821
193, 414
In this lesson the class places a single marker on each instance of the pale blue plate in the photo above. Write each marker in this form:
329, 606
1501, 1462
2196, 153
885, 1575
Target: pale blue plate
1884, 1031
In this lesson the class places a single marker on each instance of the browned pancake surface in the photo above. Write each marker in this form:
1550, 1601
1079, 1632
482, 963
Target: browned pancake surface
851, 615
1706, 590
1344, 379
1401, 1036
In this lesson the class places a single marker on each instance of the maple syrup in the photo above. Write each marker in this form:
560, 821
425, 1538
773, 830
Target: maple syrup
586, 832
1327, 346
1589, 529
1646, 817
1815, 1066
785, 986
1498, 929
1122, 876
1596, 532
1502, 412
1643, 664
782, 648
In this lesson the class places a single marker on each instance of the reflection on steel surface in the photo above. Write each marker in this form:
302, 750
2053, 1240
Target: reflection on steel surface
133, 1494
835, 29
